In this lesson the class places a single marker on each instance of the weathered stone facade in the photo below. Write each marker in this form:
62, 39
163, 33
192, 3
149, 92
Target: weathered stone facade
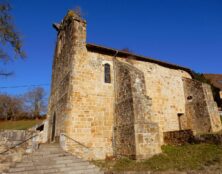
126, 115
180, 137
201, 110
135, 133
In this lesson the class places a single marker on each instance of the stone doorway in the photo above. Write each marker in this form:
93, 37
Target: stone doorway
53, 127
182, 121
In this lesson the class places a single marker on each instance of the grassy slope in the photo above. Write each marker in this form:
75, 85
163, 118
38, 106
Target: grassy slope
18, 125
187, 157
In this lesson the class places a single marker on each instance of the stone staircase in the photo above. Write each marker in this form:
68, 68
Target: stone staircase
51, 159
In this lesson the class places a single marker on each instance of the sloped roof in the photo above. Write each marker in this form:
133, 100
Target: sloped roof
119, 53
216, 79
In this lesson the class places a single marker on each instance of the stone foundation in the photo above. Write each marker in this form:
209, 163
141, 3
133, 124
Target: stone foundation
178, 137
201, 110
209, 138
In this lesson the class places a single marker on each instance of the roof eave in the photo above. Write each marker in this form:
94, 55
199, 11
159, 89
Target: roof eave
119, 53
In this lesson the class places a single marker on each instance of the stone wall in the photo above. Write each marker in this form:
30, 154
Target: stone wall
201, 111
71, 37
42, 131
209, 138
165, 87
212, 109
136, 135
10, 138
124, 140
186, 136
9, 154
85, 111
91, 121
180, 137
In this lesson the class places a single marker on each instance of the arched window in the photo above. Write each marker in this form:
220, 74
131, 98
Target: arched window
107, 76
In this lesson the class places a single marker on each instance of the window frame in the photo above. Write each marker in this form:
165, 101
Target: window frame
107, 73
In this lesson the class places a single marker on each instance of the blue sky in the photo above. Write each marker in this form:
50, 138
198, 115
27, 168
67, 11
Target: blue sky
184, 32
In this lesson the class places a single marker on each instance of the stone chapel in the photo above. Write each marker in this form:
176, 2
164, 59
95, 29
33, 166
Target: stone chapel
106, 102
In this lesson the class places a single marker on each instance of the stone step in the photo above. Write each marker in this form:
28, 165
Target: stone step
51, 159
53, 164
85, 172
21, 169
61, 169
24, 164
45, 164
59, 172
34, 159
49, 150
41, 152
48, 146
52, 156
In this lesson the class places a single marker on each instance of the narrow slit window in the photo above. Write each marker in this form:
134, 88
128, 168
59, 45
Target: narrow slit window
107, 76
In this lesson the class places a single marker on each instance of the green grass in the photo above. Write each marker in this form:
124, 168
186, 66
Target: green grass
18, 125
187, 157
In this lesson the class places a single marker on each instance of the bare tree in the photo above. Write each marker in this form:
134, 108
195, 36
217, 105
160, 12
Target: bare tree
8, 36
30, 105
4, 100
35, 101
11, 107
